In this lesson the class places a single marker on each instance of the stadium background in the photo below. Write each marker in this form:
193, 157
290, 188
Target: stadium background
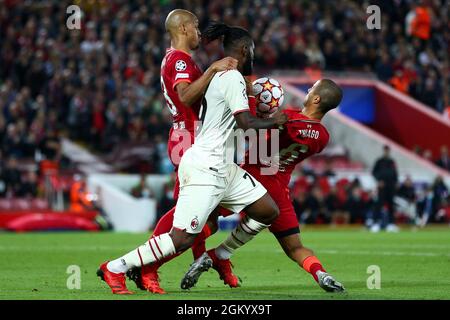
84, 126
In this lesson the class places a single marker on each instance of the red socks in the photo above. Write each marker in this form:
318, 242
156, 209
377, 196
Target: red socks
165, 223
311, 264
198, 248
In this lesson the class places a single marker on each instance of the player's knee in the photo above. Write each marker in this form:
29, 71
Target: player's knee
185, 243
182, 240
213, 226
274, 212
271, 214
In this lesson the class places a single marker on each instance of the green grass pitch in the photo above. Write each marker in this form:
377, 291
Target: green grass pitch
414, 264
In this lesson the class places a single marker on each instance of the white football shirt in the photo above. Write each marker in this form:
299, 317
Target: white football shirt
225, 96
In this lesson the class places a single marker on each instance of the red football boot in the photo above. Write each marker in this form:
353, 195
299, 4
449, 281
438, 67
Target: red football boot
146, 278
223, 267
150, 279
116, 281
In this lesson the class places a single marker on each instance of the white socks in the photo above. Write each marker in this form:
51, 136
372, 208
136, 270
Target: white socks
153, 250
246, 230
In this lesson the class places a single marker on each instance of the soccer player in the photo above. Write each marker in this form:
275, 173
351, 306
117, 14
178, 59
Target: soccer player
303, 135
183, 86
207, 178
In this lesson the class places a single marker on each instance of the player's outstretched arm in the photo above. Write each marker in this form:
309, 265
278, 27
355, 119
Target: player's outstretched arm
189, 93
245, 120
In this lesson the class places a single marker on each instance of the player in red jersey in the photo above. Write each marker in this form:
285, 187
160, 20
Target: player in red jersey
183, 85
303, 136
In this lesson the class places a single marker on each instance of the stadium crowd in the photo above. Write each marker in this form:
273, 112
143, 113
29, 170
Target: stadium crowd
321, 198
100, 85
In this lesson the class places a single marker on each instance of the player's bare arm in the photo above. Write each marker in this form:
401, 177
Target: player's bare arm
245, 120
192, 92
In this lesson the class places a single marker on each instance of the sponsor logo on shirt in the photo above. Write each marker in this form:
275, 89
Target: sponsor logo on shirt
182, 76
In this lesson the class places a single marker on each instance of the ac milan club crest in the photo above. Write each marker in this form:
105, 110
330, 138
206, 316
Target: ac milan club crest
194, 223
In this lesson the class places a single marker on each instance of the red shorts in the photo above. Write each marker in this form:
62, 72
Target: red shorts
287, 222
179, 141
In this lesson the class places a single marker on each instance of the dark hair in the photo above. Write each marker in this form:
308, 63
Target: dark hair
330, 95
232, 36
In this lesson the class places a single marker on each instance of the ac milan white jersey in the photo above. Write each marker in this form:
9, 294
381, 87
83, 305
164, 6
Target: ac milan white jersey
225, 96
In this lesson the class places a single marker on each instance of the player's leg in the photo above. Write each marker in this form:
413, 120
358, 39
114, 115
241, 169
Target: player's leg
390, 194
211, 227
194, 205
286, 229
306, 259
146, 277
243, 192
377, 212
247, 194
258, 216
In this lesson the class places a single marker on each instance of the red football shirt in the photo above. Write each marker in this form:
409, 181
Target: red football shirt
300, 138
178, 66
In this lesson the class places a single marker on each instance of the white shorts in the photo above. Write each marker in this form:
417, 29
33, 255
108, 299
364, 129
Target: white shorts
201, 192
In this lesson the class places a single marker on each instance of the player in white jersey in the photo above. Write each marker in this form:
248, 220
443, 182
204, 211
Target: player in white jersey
207, 177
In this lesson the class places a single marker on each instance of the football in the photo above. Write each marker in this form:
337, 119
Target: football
269, 95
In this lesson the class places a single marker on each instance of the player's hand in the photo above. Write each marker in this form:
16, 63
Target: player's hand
227, 63
280, 118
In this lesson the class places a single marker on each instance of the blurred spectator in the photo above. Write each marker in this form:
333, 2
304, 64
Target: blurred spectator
383, 67
80, 199
315, 209
419, 21
29, 185
328, 170
50, 146
357, 205
385, 173
443, 215
440, 190
12, 178
428, 155
431, 202
336, 208
406, 198
400, 82
142, 189
3, 188
444, 159
167, 201
426, 207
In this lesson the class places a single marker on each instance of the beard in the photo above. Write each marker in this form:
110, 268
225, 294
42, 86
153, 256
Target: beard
247, 68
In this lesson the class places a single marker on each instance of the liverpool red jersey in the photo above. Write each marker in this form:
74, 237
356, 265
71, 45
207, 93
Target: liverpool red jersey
300, 138
178, 66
